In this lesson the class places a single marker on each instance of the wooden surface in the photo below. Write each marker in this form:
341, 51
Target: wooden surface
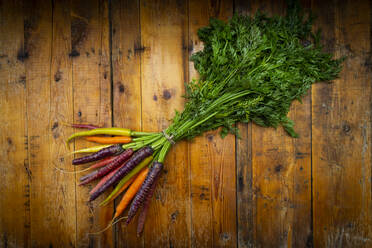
124, 63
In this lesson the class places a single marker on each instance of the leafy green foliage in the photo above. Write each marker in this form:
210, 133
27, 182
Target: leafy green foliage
251, 69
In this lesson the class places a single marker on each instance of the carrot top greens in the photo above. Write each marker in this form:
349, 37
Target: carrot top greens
251, 69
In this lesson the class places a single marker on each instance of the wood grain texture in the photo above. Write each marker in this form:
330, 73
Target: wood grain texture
37, 58
212, 160
163, 73
92, 104
126, 66
61, 111
124, 63
14, 167
281, 174
342, 130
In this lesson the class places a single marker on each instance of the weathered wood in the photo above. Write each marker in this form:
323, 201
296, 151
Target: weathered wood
164, 71
61, 111
45, 182
212, 159
14, 167
55, 68
281, 176
245, 206
126, 65
342, 130
92, 104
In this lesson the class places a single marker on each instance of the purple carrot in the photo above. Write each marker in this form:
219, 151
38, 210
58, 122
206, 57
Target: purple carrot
122, 172
144, 190
86, 126
105, 152
118, 161
145, 208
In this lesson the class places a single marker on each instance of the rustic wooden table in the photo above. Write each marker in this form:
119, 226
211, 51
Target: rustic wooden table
124, 63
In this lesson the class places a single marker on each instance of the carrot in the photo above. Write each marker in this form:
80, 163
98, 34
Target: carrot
102, 163
123, 187
131, 192
117, 162
121, 190
136, 158
99, 164
102, 153
125, 179
103, 180
92, 149
107, 177
109, 140
86, 126
144, 191
145, 208
98, 131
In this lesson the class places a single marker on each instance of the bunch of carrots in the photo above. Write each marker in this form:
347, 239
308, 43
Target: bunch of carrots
251, 69
135, 169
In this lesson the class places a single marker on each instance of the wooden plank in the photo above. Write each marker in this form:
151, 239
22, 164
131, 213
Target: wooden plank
212, 163
281, 176
126, 65
92, 104
163, 72
45, 182
14, 167
126, 62
342, 130
61, 110
245, 203
244, 193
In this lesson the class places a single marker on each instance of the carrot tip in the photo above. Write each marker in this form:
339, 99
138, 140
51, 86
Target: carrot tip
69, 172
109, 225
65, 123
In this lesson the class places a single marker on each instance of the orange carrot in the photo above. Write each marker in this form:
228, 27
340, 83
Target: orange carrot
131, 192
109, 140
125, 186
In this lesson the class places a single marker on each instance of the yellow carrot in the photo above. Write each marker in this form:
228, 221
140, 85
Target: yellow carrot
90, 149
109, 140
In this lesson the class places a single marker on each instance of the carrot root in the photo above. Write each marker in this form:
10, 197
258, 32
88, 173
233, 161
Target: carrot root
77, 125
112, 222
70, 172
